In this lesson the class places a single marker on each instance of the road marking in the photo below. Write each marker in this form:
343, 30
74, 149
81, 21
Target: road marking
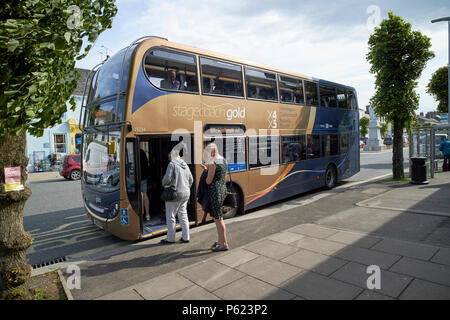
61, 227
351, 184
62, 232
62, 242
78, 216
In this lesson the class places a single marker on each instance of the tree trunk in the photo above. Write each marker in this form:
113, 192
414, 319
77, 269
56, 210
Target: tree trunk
14, 241
397, 152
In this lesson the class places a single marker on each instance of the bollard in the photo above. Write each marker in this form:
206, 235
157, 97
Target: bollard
419, 171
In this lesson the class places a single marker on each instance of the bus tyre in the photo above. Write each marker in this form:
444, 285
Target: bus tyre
75, 175
330, 177
230, 209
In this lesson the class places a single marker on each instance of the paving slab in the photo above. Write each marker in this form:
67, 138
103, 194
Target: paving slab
126, 294
271, 249
371, 295
313, 230
162, 286
367, 256
374, 191
211, 275
311, 285
319, 245
314, 261
237, 257
406, 248
192, 293
418, 199
385, 223
362, 240
440, 236
443, 256
391, 284
286, 237
269, 270
424, 290
424, 270
249, 288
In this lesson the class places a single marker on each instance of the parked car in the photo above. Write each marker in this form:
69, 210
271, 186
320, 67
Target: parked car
71, 167
388, 141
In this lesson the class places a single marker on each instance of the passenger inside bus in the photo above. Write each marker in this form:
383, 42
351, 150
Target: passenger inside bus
171, 82
145, 171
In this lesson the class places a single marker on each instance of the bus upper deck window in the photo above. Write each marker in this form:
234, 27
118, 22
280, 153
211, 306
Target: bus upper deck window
261, 84
291, 90
351, 100
327, 97
221, 78
342, 99
311, 93
171, 70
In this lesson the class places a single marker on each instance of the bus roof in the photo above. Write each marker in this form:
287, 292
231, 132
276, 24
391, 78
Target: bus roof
158, 41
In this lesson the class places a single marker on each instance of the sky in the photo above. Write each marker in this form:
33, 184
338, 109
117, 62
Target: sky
318, 38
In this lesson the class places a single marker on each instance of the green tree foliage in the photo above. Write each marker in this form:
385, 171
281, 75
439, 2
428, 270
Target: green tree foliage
363, 124
40, 41
384, 128
398, 56
438, 88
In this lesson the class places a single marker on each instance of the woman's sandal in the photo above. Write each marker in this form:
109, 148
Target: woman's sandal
219, 248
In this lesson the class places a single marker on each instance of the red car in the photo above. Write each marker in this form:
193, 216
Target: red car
71, 167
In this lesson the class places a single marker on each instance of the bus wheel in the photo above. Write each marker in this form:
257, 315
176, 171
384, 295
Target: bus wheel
330, 177
230, 207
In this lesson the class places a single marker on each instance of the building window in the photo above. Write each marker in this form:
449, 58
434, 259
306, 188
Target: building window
60, 143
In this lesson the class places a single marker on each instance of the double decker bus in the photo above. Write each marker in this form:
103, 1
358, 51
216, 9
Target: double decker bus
282, 133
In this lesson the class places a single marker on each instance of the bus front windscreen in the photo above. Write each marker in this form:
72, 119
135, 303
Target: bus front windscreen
101, 170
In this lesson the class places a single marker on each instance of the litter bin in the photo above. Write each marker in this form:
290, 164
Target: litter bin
419, 171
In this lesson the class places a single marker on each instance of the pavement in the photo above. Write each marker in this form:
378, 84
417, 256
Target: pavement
43, 176
375, 240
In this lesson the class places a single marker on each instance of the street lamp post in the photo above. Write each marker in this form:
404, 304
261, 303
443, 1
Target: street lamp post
448, 65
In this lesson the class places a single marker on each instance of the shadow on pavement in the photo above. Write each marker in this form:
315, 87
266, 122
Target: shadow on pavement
410, 248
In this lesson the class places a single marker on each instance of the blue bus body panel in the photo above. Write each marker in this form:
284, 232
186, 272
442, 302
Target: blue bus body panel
101, 204
309, 174
144, 91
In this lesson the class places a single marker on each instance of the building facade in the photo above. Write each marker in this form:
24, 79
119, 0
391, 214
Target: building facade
60, 140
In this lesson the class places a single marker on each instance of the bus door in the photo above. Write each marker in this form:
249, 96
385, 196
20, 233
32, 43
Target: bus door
152, 161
